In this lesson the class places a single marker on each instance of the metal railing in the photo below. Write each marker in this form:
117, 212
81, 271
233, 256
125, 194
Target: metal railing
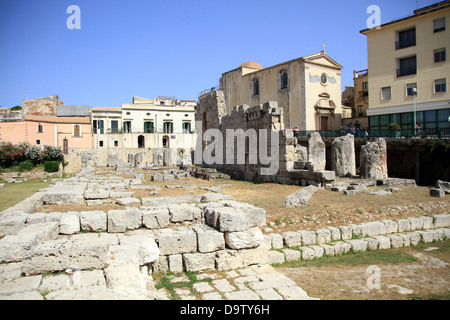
406, 133
209, 90
405, 44
406, 71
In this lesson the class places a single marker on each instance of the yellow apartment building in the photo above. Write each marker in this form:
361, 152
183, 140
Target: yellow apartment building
408, 70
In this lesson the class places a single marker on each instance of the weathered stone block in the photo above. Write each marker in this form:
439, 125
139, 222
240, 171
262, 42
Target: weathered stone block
301, 197
426, 236
443, 185
176, 263
156, 218
128, 201
209, 239
276, 257
343, 160
56, 255
276, 241
292, 255
247, 239
69, 223
317, 151
341, 247
234, 259
96, 194
20, 246
383, 242
437, 193
428, 223
404, 225
292, 238
441, 220
374, 228
335, 233
346, 233
323, 236
414, 238
94, 221
416, 223
308, 237
123, 220
373, 160
184, 212
318, 251
307, 253
372, 243
213, 197
233, 218
391, 226
358, 245
328, 250
199, 261
406, 238
396, 241
144, 243
176, 241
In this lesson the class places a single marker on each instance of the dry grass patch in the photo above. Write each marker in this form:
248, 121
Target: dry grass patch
327, 208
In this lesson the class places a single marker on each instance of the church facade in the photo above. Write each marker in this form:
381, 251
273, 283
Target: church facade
308, 89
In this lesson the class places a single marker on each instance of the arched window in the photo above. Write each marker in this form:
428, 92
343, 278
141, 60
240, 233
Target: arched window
284, 79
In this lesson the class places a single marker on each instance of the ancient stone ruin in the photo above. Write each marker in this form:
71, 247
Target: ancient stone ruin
296, 165
373, 162
343, 156
111, 254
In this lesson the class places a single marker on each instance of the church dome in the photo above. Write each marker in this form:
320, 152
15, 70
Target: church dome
252, 65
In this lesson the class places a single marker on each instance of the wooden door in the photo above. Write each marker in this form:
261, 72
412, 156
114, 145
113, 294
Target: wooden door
323, 123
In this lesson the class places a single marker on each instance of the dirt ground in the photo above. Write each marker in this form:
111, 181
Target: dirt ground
325, 209
426, 278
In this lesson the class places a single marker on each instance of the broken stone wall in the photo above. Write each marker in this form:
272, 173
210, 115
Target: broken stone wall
44, 106
264, 116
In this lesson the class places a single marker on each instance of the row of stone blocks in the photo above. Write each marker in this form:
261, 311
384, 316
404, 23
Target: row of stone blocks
231, 237
367, 236
224, 215
394, 240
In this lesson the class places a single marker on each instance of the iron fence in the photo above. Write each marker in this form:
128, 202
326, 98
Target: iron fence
405, 133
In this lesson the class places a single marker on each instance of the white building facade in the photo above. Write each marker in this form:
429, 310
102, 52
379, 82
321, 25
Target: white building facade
164, 122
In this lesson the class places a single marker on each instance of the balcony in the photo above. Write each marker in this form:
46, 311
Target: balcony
407, 71
405, 44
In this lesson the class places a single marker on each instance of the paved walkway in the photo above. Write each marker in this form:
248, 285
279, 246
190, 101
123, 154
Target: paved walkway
251, 283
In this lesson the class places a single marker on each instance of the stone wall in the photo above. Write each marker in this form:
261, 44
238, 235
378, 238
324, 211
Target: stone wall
44, 106
122, 158
374, 235
246, 162
210, 109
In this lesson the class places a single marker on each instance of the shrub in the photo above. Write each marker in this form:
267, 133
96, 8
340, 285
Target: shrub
52, 154
51, 166
26, 165
11, 154
34, 154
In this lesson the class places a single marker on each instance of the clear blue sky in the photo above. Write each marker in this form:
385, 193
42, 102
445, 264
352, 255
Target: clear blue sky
152, 48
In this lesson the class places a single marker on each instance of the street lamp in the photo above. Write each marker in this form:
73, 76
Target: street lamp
414, 90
